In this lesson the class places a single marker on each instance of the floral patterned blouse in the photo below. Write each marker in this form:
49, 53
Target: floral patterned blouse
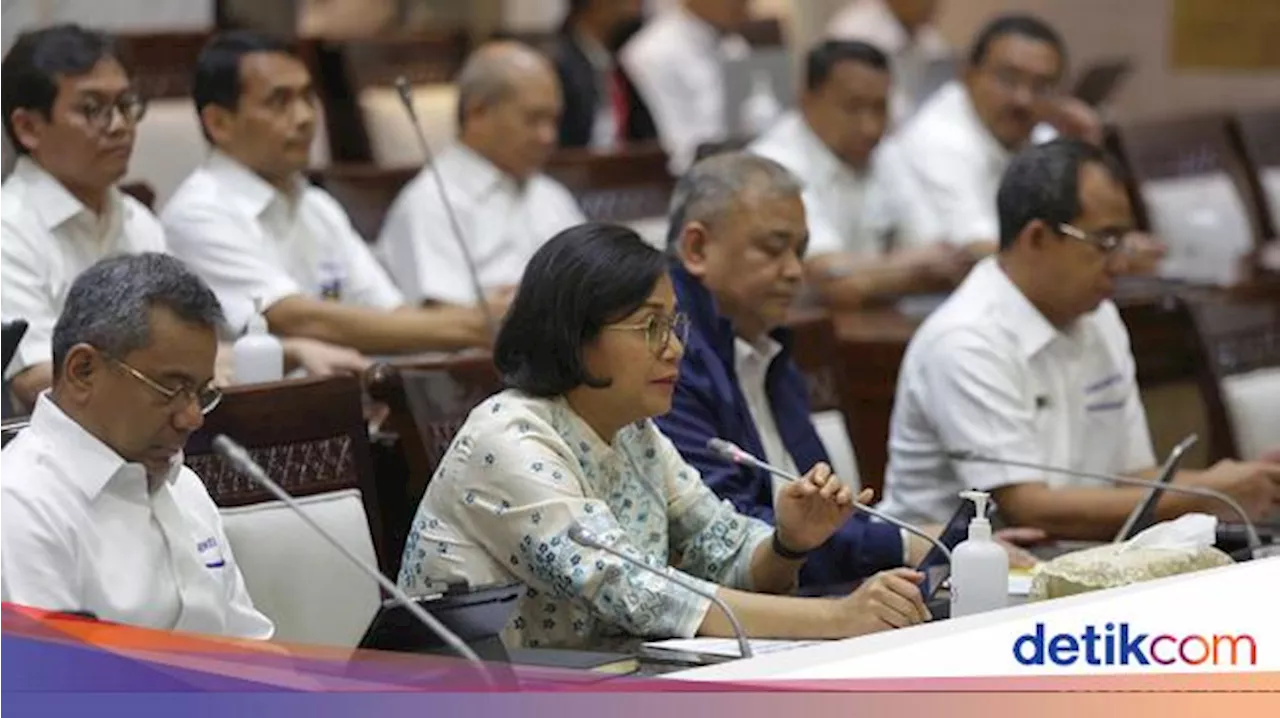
522, 471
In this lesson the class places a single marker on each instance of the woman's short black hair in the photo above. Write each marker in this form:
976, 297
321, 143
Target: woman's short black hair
583, 279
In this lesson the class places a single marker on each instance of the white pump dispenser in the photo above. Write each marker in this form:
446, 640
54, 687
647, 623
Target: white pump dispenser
761, 108
979, 565
257, 356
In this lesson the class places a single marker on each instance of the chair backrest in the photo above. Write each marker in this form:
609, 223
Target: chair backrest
1259, 133
365, 191
309, 436
1241, 377
364, 72
816, 352
429, 400
630, 186
1195, 188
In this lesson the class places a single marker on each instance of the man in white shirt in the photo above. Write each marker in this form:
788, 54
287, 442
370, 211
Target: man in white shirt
865, 242
99, 513
904, 30
676, 62
70, 106
959, 143
250, 225
1028, 361
509, 107
70, 111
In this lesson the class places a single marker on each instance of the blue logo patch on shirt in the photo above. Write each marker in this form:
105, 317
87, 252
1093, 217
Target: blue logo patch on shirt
209, 553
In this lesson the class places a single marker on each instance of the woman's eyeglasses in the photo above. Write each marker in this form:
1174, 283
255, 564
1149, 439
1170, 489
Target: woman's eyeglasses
658, 330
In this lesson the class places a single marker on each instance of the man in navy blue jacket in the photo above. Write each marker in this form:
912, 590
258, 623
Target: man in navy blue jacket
737, 242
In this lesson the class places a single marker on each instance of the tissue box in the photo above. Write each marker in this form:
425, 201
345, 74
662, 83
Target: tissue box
1167, 549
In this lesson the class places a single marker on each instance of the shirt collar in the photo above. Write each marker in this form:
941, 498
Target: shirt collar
253, 192
94, 463
600, 59
700, 31
1032, 330
761, 352
55, 204
991, 147
824, 165
474, 173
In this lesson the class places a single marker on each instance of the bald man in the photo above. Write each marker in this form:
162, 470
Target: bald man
509, 105
266, 240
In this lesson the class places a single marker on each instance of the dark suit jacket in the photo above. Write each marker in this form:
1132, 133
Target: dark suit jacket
708, 402
581, 97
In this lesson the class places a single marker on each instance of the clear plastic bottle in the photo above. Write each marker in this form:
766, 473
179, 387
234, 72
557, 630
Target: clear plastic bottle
761, 108
979, 566
257, 356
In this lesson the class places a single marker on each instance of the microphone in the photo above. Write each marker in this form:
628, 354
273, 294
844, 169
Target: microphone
1144, 514
1251, 531
239, 457
737, 455
584, 537
405, 91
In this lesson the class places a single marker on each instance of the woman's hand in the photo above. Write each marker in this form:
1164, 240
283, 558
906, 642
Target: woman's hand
810, 510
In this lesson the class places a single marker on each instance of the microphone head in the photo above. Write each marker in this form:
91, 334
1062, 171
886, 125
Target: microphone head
725, 449
580, 535
1181, 448
223, 445
405, 90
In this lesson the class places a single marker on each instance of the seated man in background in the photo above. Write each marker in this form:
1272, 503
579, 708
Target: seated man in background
905, 31
736, 247
508, 117
601, 107
865, 242
676, 61
959, 143
249, 223
1029, 361
99, 513
72, 112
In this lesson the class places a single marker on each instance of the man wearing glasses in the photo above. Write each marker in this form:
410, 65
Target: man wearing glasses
99, 514
961, 140
72, 112
1028, 361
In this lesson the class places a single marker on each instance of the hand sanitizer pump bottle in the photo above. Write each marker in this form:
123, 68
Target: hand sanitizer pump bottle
979, 566
257, 356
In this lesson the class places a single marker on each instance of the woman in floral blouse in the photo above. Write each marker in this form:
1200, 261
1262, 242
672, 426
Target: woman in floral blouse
591, 348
